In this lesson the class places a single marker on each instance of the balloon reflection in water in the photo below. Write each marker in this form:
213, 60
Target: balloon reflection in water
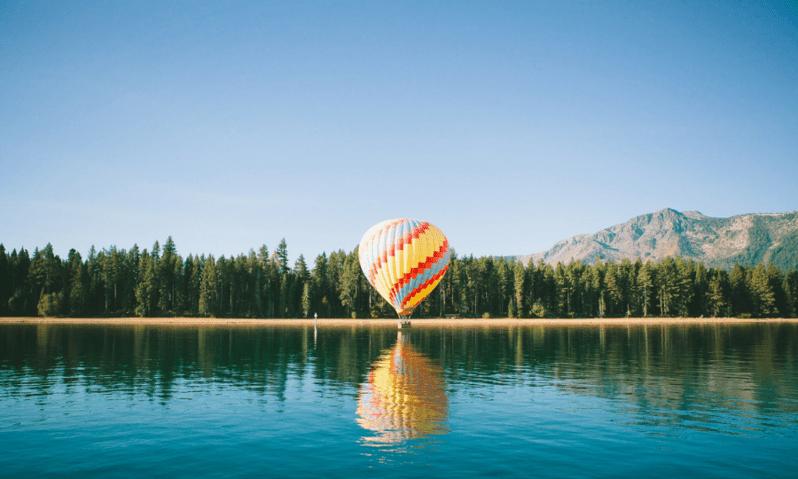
404, 398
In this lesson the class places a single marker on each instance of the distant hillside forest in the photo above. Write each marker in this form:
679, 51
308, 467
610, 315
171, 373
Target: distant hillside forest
159, 282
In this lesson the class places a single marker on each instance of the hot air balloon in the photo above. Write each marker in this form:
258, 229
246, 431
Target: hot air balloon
404, 260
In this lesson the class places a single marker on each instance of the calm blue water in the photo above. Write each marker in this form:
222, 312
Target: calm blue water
118, 401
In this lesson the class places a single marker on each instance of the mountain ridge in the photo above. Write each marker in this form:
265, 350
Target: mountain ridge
745, 239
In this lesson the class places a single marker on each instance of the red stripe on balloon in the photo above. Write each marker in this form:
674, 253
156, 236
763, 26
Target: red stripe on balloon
423, 265
425, 284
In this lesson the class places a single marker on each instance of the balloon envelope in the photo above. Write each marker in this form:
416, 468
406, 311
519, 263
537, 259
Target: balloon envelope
404, 260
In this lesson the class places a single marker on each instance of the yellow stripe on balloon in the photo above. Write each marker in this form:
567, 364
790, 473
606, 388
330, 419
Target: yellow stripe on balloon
422, 294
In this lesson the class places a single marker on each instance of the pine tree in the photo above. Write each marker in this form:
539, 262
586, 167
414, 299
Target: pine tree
574, 273
5, 281
335, 272
614, 288
196, 282
790, 287
235, 281
459, 281
349, 283
562, 291
306, 300
77, 284
208, 288
262, 284
131, 280
775, 281
34, 284
26, 299
45, 271
627, 275
504, 284
275, 287
45, 282
252, 293
166, 276
319, 298
716, 295
740, 293
189, 299
95, 297
635, 306
598, 285
146, 290
762, 293
281, 255
302, 278
669, 286
519, 274
18, 303
698, 306
221, 305
110, 266
178, 286
286, 303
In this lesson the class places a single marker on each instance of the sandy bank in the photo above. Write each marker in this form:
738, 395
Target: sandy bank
416, 323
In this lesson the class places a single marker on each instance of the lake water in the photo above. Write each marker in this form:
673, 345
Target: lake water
152, 401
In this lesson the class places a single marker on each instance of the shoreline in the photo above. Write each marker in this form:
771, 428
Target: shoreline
384, 322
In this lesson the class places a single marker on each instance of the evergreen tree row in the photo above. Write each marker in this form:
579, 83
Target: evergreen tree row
159, 282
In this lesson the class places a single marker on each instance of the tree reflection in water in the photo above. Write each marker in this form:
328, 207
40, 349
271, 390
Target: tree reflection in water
404, 397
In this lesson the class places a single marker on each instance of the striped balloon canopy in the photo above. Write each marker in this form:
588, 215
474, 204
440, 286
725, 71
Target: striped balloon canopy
404, 260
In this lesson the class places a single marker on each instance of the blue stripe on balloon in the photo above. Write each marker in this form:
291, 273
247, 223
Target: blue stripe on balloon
420, 279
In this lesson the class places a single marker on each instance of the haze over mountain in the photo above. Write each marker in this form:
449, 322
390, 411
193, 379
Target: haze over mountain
717, 242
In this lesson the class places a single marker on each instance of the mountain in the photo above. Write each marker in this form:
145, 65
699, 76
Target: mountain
716, 242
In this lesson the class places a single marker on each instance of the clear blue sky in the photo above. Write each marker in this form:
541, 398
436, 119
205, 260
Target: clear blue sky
509, 125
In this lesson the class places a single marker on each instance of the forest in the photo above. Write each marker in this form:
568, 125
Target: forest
159, 282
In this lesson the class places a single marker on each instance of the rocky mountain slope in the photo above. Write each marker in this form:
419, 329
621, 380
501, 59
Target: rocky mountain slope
718, 242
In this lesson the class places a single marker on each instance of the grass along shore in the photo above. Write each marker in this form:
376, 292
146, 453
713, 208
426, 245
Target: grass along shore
424, 322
